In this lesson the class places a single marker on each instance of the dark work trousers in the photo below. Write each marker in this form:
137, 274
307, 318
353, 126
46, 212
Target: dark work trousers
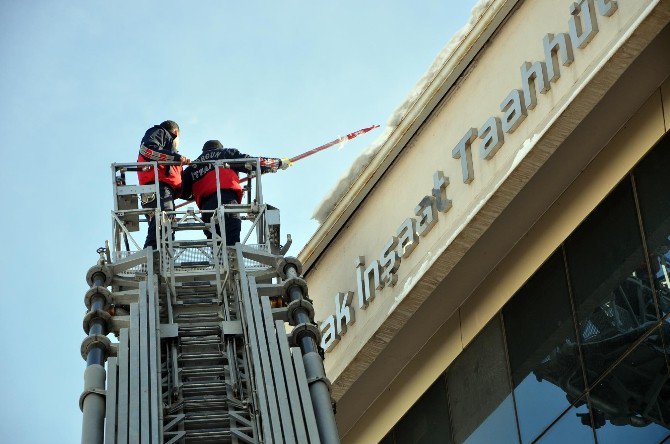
232, 220
167, 204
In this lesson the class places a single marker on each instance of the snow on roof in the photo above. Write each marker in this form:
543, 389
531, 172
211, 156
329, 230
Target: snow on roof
335, 195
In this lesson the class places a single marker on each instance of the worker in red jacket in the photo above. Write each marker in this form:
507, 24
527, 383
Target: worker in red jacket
160, 143
199, 182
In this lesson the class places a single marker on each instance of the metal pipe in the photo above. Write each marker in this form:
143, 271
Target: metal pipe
93, 407
319, 390
93, 404
307, 343
96, 353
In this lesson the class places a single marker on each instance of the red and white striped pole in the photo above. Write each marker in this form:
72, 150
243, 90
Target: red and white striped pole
314, 150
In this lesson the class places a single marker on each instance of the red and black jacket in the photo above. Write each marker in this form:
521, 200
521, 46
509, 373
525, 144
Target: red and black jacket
157, 145
199, 180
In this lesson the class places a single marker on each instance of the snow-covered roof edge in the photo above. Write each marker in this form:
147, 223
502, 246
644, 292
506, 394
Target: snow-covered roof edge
335, 195
488, 16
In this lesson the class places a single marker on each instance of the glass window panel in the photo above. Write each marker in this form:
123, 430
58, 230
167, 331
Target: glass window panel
428, 420
610, 281
388, 439
651, 182
574, 427
632, 402
544, 358
480, 400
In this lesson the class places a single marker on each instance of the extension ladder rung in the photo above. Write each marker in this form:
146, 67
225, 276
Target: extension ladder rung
204, 330
198, 316
201, 340
193, 264
203, 388
186, 226
191, 284
205, 403
195, 243
202, 357
204, 301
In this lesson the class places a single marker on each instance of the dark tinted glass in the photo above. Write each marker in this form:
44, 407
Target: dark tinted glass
574, 428
428, 420
388, 439
480, 400
610, 280
632, 403
652, 177
543, 352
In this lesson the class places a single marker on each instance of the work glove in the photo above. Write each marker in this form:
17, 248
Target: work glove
274, 164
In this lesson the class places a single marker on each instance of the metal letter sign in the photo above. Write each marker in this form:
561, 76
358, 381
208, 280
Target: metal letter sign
537, 76
335, 326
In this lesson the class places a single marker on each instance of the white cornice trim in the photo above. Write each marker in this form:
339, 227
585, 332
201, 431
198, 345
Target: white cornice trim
448, 75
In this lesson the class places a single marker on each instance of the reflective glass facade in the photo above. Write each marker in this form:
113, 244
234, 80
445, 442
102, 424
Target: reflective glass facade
581, 353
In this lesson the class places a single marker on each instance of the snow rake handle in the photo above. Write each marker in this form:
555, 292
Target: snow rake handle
310, 152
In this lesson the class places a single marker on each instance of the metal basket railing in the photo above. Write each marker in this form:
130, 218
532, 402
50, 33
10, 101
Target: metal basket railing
141, 268
252, 264
128, 216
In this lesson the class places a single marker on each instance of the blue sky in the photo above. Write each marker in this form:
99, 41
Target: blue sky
81, 81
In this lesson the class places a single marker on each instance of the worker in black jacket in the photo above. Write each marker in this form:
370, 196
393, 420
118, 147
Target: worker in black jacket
160, 143
199, 182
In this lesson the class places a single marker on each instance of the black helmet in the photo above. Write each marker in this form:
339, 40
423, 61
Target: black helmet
212, 145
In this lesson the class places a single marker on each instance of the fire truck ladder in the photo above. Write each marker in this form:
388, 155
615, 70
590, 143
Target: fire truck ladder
203, 354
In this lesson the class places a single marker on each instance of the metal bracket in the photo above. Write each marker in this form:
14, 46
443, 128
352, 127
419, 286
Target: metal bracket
99, 269
283, 261
95, 340
270, 290
294, 282
99, 291
300, 303
231, 328
314, 370
280, 314
301, 330
286, 246
83, 396
97, 314
169, 331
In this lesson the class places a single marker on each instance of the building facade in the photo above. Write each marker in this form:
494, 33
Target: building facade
499, 272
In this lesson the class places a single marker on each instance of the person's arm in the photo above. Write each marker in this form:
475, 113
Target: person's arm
153, 147
268, 164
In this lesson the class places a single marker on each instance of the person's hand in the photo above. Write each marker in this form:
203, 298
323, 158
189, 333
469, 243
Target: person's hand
185, 160
274, 164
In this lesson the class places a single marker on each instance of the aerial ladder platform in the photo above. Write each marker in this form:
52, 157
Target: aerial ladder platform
199, 342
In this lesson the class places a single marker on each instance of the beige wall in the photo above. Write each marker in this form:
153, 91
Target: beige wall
636, 138
497, 71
